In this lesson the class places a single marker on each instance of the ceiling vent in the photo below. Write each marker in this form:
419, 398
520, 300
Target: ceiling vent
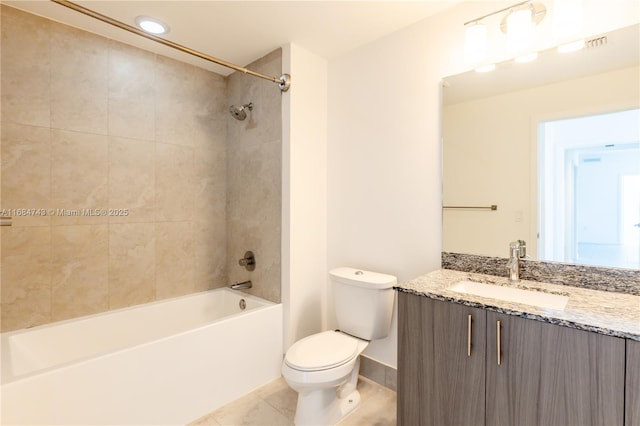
596, 42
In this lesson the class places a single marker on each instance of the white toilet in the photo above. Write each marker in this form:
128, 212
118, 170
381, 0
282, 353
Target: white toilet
323, 368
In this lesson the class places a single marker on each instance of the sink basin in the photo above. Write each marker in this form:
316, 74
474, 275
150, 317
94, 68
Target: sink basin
510, 294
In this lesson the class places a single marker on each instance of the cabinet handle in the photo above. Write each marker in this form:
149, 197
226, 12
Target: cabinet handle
498, 341
469, 321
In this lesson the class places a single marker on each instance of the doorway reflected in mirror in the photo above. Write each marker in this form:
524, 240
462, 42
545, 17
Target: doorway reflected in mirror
589, 189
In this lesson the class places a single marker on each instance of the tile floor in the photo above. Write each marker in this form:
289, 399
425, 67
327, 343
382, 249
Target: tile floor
275, 404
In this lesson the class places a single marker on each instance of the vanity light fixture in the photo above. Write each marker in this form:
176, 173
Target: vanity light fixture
151, 25
518, 23
475, 42
520, 29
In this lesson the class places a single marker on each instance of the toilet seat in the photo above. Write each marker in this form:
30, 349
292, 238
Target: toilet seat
322, 351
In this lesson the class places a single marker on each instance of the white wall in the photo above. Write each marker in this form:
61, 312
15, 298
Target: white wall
304, 193
384, 162
384, 159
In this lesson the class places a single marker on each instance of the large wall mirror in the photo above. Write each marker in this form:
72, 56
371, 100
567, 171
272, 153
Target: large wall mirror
554, 145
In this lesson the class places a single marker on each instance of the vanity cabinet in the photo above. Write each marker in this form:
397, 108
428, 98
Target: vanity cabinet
632, 385
441, 364
547, 374
544, 374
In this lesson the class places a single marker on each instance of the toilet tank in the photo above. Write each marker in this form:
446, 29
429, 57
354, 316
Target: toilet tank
363, 302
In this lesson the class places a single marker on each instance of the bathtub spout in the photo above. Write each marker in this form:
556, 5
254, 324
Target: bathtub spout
242, 286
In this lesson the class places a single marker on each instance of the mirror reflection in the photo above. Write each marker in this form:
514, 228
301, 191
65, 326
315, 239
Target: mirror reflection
555, 145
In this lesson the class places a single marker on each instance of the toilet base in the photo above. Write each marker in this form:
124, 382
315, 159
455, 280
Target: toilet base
323, 407
327, 406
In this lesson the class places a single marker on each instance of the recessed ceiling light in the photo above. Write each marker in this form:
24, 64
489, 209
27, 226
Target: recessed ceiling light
151, 25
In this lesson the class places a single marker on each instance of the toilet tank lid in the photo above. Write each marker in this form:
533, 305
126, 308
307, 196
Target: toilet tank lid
362, 278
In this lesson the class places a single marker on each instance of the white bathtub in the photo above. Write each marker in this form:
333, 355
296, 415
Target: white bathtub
167, 362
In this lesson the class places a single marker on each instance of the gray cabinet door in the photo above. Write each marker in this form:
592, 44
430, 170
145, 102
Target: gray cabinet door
552, 375
513, 387
632, 385
440, 375
410, 356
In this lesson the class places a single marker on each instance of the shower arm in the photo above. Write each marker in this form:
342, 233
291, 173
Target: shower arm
284, 81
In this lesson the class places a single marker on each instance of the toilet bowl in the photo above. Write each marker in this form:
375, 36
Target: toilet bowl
323, 368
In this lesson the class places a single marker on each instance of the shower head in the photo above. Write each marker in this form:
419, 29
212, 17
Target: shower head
240, 112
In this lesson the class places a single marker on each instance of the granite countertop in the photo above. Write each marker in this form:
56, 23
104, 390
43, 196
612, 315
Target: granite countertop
613, 314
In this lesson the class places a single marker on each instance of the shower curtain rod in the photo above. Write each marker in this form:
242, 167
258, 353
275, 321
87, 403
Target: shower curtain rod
284, 81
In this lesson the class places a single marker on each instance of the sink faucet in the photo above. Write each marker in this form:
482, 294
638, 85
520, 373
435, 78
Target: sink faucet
517, 251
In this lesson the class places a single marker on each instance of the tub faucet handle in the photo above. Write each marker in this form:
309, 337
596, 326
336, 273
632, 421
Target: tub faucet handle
248, 261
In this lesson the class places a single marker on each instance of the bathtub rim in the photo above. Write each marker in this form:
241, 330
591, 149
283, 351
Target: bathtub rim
7, 377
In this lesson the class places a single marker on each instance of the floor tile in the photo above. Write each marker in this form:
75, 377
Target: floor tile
280, 396
275, 404
249, 410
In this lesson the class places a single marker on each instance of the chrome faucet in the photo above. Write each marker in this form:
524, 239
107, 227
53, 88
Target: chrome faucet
242, 286
517, 251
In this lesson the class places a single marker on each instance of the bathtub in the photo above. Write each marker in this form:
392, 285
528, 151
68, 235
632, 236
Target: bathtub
166, 362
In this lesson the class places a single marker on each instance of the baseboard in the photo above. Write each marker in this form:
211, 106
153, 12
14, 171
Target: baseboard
377, 372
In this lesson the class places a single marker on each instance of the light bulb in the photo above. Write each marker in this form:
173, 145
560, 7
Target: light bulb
520, 30
475, 42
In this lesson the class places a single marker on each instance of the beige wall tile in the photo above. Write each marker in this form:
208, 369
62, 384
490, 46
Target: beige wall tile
26, 277
175, 106
209, 217
132, 265
131, 92
80, 270
210, 170
211, 133
210, 254
78, 80
175, 254
132, 179
209, 100
26, 172
26, 68
174, 182
79, 175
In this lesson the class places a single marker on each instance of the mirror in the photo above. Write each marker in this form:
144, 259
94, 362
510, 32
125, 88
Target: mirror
500, 132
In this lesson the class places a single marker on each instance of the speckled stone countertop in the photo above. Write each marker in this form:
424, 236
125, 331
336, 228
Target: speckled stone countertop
613, 314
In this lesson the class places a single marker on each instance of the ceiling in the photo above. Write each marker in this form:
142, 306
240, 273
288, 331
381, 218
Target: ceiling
243, 31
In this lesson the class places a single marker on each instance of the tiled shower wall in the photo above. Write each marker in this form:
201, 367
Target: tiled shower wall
254, 182
90, 123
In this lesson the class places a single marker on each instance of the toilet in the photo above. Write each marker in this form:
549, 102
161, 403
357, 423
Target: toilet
323, 368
